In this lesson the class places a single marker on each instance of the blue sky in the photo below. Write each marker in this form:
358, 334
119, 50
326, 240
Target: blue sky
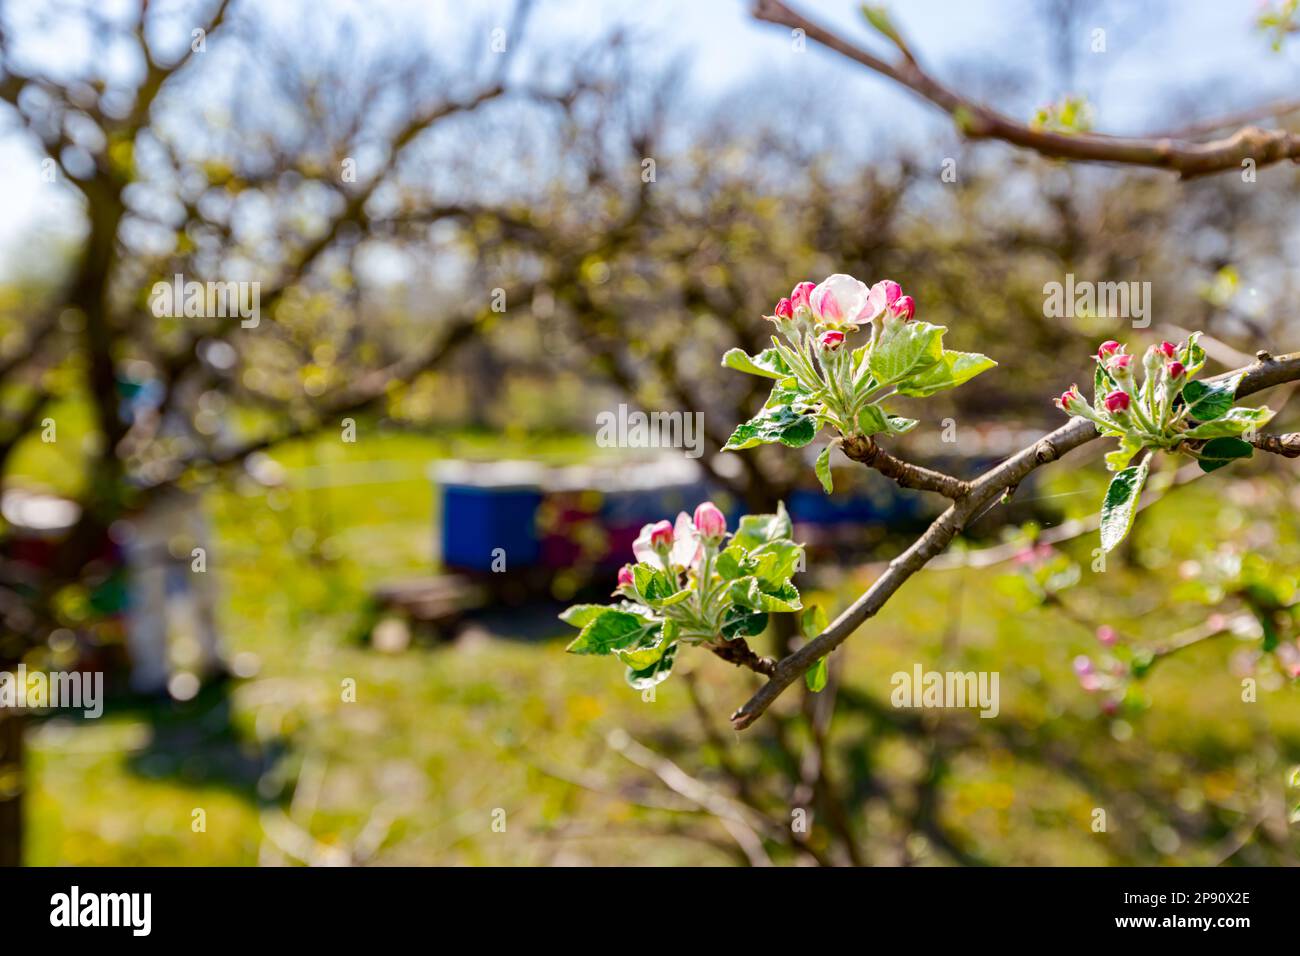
1205, 51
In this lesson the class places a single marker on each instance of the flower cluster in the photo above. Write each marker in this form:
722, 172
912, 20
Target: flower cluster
821, 380
840, 304
1163, 409
692, 583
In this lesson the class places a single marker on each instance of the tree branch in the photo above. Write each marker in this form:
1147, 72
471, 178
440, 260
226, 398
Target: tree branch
976, 121
1265, 372
739, 652
1288, 445
868, 452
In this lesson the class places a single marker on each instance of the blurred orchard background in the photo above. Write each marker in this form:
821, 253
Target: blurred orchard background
473, 228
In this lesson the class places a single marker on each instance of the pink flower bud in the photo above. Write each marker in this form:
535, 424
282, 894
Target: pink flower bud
710, 522
661, 535
625, 579
831, 339
889, 291
904, 307
1119, 363
1175, 369
1107, 635
1071, 401
784, 309
799, 295
1108, 349
1117, 402
1166, 349
883, 295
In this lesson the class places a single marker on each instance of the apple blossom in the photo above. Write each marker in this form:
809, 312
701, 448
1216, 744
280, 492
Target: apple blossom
661, 608
1073, 402
784, 309
841, 299
904, 307
1117, 401
884, 294
799, 295
661, 535
653, 544
831, 339
710, 522
1167, 411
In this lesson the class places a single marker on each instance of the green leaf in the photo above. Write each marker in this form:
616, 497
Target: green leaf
654, 584
734, 563
656, 673
777, 561
580, 615
748, 592
952, 369
815, 677
878, 16
813, 621
1120, 506
1209, 400
650, 648
781, 424
786, 394
742, 622
823, 469
1103, 383
1218, 452
1119, 459
905, 348
1235, 421
872, 420
901, 426
783, 598
859, 355
767, 363
609, 632
675, 599
1192, 356
756, 530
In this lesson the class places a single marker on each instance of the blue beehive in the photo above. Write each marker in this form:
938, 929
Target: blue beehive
486, 506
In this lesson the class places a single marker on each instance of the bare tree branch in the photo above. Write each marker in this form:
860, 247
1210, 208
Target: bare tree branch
864, 449
976, 121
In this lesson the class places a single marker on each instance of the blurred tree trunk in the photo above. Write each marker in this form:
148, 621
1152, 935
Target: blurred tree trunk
12, 783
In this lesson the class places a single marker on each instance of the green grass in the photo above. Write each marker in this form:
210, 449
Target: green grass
440, 739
